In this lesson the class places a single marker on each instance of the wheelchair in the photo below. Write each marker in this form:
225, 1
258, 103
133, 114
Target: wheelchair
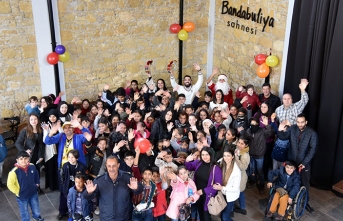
295, 210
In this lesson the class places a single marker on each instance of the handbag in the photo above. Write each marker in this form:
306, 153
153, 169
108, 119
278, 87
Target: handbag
280, 150
217, 203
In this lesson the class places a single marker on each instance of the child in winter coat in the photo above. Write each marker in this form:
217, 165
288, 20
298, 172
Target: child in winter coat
78, 207
184, 191
160, 200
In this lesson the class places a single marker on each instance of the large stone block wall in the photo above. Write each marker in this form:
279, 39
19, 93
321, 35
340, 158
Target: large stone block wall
111, 41
235, 49
19, 73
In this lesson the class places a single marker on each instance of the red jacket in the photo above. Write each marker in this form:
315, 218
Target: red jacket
253, 100
160, 201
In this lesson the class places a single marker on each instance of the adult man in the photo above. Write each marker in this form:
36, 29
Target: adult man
114, 190
273, 100
289, 111
222, 85
188, 90
304, 142
68, 141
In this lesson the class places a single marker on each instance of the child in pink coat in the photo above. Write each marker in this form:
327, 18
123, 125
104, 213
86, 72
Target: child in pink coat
182, 185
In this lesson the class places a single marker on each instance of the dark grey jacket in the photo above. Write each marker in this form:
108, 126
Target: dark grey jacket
25, 143
303, 147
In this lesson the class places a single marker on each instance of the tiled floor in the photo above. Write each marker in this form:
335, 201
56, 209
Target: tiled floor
328, 207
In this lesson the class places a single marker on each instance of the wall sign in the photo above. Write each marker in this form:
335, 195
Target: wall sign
246, 14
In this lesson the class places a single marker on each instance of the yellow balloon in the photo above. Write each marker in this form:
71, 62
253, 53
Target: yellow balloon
183, 35
272, 61
64, 57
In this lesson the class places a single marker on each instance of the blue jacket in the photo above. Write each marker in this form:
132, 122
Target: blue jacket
293, 182
71, 201
301, 151
60, 138
114, 197
23, 184
3, 149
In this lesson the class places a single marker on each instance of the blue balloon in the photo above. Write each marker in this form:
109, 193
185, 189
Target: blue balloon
60, 49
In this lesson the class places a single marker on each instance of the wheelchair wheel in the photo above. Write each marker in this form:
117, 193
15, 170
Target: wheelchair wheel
300, 203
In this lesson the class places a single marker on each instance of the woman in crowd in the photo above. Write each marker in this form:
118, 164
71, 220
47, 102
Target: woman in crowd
231, 182
218, 101
206, 173
63, 114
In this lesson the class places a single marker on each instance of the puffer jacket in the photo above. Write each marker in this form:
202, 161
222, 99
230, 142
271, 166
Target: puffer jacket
258, 143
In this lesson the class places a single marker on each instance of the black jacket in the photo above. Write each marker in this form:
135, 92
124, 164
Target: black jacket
114, 196
302, 150
258, 143
273, 101
34, 144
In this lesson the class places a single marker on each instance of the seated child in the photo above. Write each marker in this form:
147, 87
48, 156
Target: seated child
23, 181
287, 186
78, 207
160, 200
32, 107
184, 191
67, 179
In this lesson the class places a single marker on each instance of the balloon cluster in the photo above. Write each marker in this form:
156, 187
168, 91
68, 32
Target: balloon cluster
182, 33
60, 54
264, 63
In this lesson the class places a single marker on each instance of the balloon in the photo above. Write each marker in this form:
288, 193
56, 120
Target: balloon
52, 58
272, 61
143, 144
175, 28
260, 59
60, 49
189, 26
183, 35
64, 57
262, 70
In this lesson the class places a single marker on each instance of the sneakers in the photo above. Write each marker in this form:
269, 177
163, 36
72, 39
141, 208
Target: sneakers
97, 211
241, 211
309, 208
38, 219
279, 218
269, 216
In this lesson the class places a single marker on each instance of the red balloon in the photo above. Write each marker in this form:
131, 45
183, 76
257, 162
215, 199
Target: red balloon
189, 26
52, 58
175, 28
262, 70
260, 59
143, 144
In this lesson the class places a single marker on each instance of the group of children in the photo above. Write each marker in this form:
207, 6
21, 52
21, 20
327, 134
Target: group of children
174, 129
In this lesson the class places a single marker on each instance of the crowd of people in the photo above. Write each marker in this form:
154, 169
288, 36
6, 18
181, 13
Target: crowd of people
92, 152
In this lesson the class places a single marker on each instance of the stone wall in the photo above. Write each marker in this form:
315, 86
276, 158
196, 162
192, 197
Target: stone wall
235, 48
111, 41
18, 57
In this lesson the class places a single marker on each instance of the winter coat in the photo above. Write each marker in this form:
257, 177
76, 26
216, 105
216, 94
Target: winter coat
232, 188
24, 143
293, 182
71, 202
179, 195
160, 201
65, 175
217, 176
242, 162
258, 143
221, 144
301, 151
114, 197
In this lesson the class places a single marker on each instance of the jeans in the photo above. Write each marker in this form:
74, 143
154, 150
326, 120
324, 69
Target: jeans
256, 168
24, 208
194, 212
241, 200
143, 215
161, 218
226, 212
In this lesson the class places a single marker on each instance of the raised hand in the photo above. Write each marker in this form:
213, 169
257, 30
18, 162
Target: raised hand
215, 71
76, 124
171, 176
90, 187
196, 66
133, 183
100, 111
197, 94
282, 126
303, 84
170, 126
176, 88
107, 113
136, 96
88, 136
272, 117
61, 94
224, 114
264, 120
190, 158
45, 126
106, 87
130, 134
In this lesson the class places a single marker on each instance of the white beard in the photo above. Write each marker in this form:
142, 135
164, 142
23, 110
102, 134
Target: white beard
223, 86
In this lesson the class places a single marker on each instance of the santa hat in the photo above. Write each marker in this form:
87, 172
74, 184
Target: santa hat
222, 77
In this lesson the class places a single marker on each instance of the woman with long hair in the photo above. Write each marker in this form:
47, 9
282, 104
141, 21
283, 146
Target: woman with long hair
218, 101
201, 116
242, 159
30, 139
161, 126
231, 182
46, 104
206, 173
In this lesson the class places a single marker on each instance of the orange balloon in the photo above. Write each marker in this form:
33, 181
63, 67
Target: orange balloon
262, 70
189, 26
